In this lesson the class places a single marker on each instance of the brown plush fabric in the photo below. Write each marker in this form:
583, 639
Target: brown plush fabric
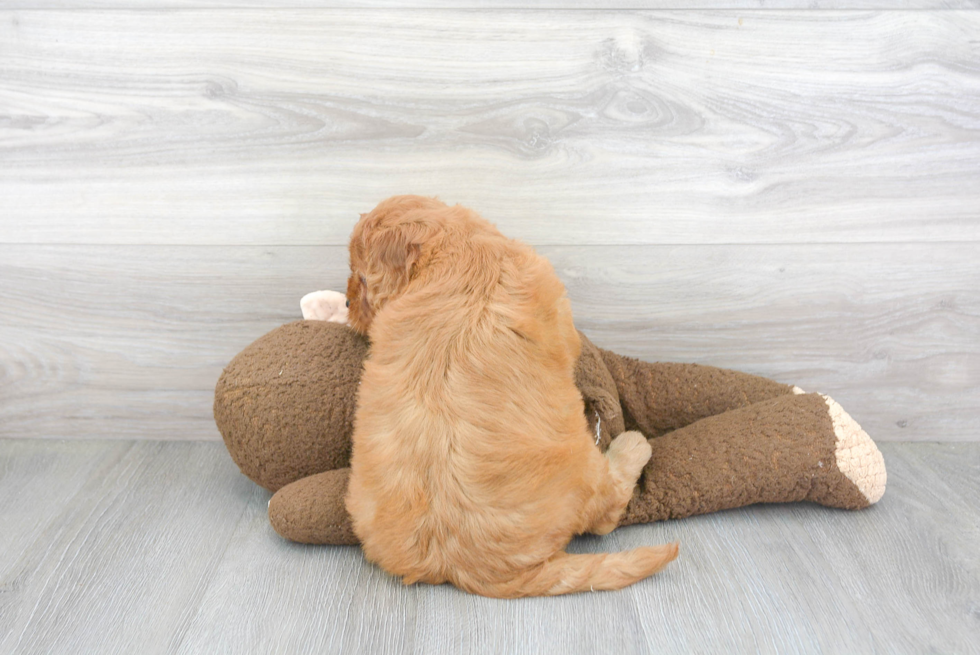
285, 405
602, 407
775, 451
312, 511
780, 450
658, 398
285, 408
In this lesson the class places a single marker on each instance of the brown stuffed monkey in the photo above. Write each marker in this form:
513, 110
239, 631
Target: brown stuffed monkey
721, 439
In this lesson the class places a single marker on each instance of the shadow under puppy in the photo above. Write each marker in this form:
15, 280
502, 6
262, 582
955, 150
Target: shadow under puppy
472, 459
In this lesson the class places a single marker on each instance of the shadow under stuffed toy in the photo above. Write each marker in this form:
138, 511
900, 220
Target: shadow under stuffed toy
721, 439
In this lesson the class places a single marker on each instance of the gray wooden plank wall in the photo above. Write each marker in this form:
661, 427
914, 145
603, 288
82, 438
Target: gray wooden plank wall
793, 193
492, 4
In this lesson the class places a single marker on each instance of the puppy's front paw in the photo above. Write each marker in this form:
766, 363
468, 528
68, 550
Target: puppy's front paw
324, 306
628, 454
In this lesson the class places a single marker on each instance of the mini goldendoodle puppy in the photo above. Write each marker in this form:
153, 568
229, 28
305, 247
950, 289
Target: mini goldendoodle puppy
472, 460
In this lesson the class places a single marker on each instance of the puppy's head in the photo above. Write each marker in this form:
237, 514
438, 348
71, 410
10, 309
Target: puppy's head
387, 250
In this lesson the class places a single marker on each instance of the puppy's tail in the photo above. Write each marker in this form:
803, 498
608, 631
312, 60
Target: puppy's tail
568, 574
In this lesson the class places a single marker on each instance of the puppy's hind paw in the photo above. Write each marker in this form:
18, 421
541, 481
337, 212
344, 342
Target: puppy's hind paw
628, 454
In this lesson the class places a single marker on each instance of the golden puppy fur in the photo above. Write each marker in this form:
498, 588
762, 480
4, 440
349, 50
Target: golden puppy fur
472, 460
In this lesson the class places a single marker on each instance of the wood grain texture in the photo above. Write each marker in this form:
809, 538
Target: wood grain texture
565, 127
791, 193
128, 342
492, 4
124, 561
167, 548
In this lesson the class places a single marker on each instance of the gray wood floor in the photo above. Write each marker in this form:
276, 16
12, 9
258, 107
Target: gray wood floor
149, 546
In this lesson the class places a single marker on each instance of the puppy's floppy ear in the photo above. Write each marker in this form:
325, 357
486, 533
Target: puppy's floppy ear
397, 249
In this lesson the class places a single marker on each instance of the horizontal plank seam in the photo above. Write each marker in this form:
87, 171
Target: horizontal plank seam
507, 8
668, 244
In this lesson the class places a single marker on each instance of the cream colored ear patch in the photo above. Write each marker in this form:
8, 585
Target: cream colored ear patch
858, 457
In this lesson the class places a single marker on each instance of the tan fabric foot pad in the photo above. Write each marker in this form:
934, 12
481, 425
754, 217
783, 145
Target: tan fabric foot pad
857, 456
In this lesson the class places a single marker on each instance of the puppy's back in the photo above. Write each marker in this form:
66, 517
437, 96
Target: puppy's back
472, 460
